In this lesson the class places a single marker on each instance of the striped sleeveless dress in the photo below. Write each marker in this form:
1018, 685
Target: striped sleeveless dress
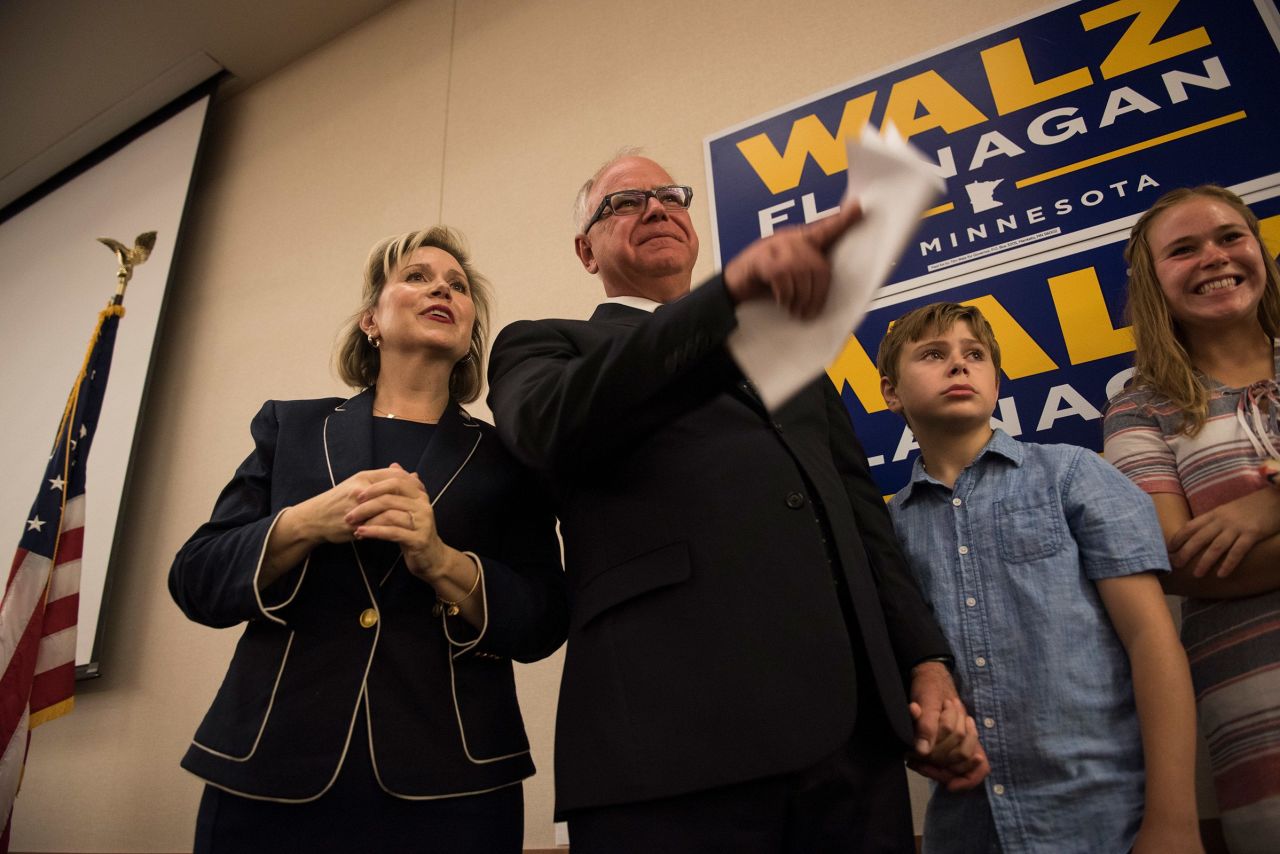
1233, 645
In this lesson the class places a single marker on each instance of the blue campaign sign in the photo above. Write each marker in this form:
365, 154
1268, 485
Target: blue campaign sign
1065, 347
1047, 131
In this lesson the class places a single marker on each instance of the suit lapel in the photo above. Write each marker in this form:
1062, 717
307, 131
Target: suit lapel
348, 437
455, 439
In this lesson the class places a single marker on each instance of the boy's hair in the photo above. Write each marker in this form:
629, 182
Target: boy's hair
932, 319
1161, 359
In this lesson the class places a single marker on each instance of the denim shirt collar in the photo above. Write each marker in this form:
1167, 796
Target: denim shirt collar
1000, 443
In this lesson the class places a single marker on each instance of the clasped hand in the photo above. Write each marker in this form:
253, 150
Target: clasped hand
388, 504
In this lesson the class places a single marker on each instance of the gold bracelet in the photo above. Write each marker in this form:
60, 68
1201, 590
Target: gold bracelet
444, 606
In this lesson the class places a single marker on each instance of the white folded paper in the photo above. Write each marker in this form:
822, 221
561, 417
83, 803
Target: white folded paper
895, 185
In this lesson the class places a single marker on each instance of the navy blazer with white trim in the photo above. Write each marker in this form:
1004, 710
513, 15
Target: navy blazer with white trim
438, 694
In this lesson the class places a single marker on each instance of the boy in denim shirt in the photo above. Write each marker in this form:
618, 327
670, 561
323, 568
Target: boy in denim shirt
1039, 561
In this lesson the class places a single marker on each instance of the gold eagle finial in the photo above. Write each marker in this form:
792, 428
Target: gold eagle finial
129, 258
141, 250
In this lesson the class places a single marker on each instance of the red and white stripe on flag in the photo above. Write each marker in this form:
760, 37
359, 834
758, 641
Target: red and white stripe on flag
38, 644
53, 685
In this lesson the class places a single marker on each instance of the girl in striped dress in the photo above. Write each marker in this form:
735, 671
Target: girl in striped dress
1193, 430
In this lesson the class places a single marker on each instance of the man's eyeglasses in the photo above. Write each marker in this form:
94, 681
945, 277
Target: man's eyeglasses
632, 202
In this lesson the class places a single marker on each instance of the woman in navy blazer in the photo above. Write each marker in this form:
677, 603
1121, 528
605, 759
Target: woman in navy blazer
390, 559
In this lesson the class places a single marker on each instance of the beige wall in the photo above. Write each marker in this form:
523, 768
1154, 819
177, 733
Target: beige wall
485, 114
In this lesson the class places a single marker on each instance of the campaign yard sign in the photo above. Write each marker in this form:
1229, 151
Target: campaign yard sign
1053, 134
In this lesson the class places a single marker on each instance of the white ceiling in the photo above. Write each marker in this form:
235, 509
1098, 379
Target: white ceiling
74, 73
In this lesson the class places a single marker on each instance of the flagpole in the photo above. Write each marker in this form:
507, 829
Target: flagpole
39, 608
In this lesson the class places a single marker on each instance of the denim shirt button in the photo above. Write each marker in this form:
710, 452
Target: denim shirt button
956, 501
998, 789
980, 661
964, 550
971, 601
988, 722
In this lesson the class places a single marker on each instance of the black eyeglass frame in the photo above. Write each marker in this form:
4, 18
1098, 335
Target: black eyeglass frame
607, 202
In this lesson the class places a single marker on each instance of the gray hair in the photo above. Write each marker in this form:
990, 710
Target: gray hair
582, 209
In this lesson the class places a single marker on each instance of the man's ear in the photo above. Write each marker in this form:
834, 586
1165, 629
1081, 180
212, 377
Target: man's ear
582, 248
890, 395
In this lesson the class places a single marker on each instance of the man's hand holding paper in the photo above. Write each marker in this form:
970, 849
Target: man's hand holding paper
891, 185
791, 268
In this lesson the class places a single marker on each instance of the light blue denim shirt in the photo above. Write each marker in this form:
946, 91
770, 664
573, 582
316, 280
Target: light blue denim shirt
1008, 559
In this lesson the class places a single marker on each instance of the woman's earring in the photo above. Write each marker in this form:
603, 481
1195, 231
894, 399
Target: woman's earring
375, 343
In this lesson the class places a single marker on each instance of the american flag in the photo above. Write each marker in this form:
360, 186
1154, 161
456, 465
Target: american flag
42, 595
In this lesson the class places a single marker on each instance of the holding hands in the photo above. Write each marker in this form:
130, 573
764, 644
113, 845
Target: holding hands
947, 746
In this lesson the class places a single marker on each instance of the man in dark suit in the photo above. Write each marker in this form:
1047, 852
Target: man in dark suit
744, 631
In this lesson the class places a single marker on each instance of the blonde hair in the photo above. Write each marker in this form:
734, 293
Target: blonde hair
932, 319
1161, 360
358, 361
